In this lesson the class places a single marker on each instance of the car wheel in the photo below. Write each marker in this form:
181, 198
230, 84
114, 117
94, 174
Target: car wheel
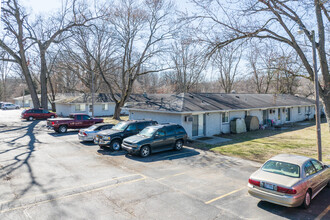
115, 145
62, 129
17, 107
178, 145
52, 116
307, 200
145, 151
30, 118
5, 108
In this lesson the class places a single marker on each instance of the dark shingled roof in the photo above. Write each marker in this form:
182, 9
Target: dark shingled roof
204, 102
87, 98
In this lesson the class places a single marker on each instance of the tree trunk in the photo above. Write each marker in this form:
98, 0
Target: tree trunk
326, 104
31, 87
43, 79
116, 114
53, 107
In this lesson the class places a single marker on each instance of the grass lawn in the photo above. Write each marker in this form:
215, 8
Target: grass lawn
262, 144
114, 121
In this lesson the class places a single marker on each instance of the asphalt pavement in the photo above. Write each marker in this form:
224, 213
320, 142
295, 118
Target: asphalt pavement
46, 175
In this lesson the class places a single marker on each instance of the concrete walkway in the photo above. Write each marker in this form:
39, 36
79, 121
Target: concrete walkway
210, 140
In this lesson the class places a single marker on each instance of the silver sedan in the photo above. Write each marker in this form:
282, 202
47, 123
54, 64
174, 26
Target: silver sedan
89, 133
289, 180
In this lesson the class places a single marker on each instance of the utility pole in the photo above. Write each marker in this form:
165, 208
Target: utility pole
317, 104
23, 92
92, 93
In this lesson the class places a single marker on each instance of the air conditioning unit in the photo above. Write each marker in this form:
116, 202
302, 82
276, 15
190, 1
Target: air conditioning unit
188, 118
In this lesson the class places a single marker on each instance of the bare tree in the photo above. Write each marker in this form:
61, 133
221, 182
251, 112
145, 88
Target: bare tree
226, 62
16, 41
286, 69
260, 59
5, 70
276, 20
89, 54
54, 30
189, 63
141, 29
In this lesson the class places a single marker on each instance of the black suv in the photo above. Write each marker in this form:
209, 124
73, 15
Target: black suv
123, 129
156, 138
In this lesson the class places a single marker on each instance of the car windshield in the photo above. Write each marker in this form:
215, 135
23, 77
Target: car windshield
148, 132
282, 168
121, 126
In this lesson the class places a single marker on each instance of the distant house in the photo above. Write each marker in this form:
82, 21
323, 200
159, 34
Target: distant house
207, 114
104, 105
24, 101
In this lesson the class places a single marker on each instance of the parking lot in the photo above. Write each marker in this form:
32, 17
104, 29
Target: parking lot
46, 175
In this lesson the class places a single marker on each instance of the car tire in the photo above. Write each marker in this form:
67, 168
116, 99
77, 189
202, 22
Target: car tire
145, 151
17, 107
115, 145
5, 108
62, 129
178, 145
307, 200
30, 118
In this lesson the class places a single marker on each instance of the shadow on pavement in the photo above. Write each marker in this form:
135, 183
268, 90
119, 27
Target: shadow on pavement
21, 159
165, 155
319, 208
68, 133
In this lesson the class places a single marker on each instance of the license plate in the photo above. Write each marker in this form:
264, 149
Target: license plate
269, 186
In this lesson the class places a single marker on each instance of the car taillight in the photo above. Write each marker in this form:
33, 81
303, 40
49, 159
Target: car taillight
254, 182
84, 133
53, 123
286, 190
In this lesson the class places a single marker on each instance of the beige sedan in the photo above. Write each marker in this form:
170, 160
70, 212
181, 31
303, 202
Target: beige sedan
289, 180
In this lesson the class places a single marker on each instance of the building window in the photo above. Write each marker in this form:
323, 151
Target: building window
225, 117
279, 114
80, 107
105, 107
299, 110
309, 109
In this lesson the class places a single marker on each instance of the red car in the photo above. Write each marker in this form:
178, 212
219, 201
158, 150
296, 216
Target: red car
31, 114
75, 121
